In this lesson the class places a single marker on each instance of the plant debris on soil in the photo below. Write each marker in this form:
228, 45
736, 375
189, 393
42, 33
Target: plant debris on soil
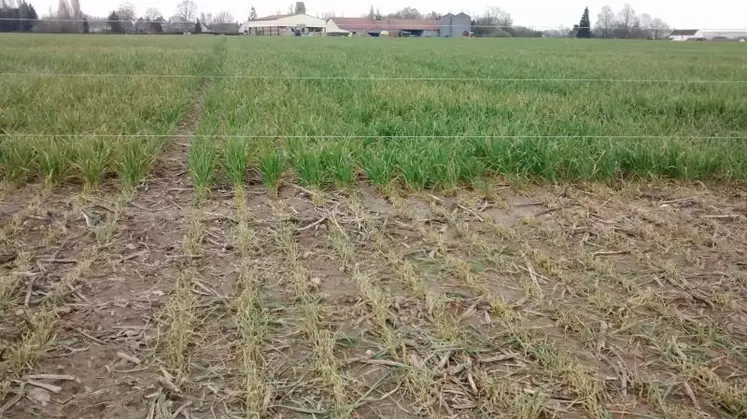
534, 301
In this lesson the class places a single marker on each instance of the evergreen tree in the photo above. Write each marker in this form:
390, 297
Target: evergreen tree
86, 29
157, 25
198, 27
115, 26
28, 17
584, 28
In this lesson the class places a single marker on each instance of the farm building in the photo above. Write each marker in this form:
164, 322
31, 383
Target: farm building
707, 35
284, 25
454, 26
448, 26
303, 24
710, 35
683, 34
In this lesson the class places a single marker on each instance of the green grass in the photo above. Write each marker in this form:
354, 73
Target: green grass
94, 160
132, 159
236, 160
272, 166
74, 108
203, 163
533, 129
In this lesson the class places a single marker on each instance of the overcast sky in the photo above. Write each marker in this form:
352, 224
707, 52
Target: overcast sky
713, 14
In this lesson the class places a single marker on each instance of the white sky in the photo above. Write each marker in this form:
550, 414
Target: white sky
687, 14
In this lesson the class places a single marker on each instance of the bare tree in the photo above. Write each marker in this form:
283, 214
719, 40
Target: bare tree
499, 16
327, 15
75, 7
63, 19
406, 13
127, 17
660, 29
186, 10
152, 14
646, 24
605, 22
253, 14
126, 12
206, 19
224, 17
627, 22
64, 10
495, 22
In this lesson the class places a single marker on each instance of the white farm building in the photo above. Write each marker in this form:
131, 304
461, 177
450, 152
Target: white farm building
707, 35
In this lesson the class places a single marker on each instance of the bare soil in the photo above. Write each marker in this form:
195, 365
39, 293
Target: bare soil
540, 301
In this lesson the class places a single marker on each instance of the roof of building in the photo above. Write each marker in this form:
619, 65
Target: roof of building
271, 17
357, 24
684, 32
354, 23
410, 24
287, 21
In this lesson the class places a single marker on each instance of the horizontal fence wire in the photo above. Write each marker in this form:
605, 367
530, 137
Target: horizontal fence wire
374, 136
348, 78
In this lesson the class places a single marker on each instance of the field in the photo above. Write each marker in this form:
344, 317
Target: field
360, 228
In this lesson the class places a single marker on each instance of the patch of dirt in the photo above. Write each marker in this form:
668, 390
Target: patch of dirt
585, 296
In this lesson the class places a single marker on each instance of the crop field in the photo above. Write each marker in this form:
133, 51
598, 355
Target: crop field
206, 227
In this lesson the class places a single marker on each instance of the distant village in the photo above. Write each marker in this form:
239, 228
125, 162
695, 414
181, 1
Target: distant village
406, 22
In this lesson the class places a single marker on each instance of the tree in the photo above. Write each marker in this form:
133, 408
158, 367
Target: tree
605, 22
253, 14
224, 17
126, 12
115, 26
627, 21
157, 24
495, 22
371, 14
152, 14
198, 27
432, 16
75, 8
300, 8
64, 11
186, 10
9, 17
26, 14
86, 28
660, 29
584, 27
646, 22
406, 13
